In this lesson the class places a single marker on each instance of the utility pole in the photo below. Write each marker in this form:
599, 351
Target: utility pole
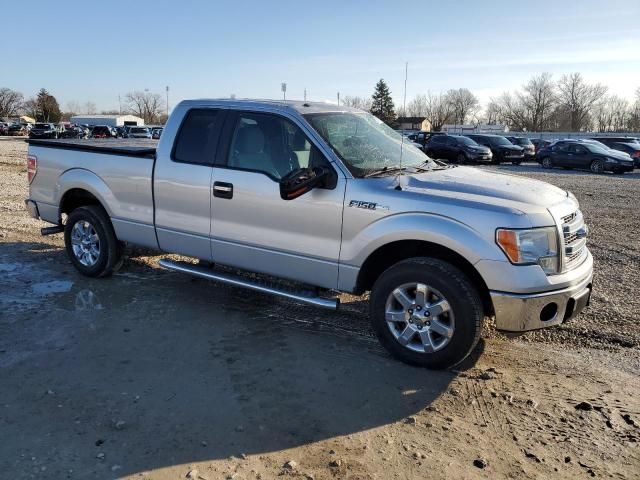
338, 98
305, 94
119, 105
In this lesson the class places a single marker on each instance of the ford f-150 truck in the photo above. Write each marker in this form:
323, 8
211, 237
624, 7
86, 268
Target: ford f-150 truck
326, 199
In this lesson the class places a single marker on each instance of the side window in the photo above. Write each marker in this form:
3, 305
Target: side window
272, 145
561, 147
437, 140
198, 137
579, 149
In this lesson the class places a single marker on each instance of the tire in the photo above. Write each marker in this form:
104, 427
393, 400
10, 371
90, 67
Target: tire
516, 162
461, 159
462, 322
93, 225
546, 162
596, 166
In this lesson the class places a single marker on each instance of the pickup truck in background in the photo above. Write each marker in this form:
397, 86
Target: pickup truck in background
327, 197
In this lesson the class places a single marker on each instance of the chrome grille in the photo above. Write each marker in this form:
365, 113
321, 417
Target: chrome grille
574, 240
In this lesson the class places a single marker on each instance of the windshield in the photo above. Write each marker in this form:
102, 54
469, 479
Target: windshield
139, 130
499, 141
597, 149
467, 141
597, 144
366, 144
522, 141
42, 125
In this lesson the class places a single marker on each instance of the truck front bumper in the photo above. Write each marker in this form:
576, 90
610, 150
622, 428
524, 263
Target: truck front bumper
521, 312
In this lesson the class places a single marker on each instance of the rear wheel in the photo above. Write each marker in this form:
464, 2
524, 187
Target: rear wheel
546, 162
91, 243
597, 166
461, 158
426, 312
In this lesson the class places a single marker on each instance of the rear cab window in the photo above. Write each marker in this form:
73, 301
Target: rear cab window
197, 138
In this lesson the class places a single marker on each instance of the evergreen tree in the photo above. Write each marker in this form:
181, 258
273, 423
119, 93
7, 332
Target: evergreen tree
382, 105
48, 109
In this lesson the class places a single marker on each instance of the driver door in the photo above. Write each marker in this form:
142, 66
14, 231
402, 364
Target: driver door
252, 227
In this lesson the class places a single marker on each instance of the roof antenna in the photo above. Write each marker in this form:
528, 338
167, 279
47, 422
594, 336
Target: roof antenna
404, 104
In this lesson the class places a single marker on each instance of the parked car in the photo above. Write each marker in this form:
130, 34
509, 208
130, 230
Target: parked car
609, 140
540, 143
44, 130
422, 138
73, 131
17, 129
526, 144
457, 148
156, 133
101, 131
139, 132
121, 132
323, 196
631, 148
571, 154
501, 148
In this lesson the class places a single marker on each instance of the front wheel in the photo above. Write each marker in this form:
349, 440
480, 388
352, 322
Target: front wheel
461, 159
516, 162
597, 166
91, 243
426, 312
546, 163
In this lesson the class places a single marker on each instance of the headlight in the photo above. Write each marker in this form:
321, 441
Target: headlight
530, 247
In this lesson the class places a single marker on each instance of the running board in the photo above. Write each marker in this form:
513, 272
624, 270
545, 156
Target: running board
202, 272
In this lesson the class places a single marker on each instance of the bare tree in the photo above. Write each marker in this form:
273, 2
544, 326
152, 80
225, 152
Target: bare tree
578, 99
537, 101
633, 122
146, 105
438, 110
357, 102
493, 114
73, 108
464, 105
418, 106
90, 108
10, 102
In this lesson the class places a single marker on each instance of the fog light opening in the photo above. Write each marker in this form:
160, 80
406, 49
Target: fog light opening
549, 312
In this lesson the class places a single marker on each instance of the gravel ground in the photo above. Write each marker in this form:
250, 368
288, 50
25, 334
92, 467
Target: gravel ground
156, 375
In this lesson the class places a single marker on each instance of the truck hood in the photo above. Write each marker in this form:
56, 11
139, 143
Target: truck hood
473, 181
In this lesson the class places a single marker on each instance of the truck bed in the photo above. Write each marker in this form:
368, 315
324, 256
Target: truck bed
136, 147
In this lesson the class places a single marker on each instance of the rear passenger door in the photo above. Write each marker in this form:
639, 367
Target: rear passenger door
182, 185
252, 227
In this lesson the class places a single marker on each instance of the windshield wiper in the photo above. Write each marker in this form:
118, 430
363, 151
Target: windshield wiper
380, 171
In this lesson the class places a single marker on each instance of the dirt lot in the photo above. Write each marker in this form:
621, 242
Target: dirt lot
152, 374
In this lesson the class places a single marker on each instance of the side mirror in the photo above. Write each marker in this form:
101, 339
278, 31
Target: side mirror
301, 181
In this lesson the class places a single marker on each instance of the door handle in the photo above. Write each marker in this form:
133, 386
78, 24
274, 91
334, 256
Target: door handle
222, 190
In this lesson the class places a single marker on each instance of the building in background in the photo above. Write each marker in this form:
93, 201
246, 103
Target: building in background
480, 128
413, 123
109, 120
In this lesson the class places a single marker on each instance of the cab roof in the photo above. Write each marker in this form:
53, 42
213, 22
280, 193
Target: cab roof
299, 106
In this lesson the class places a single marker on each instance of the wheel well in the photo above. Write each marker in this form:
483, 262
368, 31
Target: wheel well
392, 253
76, 197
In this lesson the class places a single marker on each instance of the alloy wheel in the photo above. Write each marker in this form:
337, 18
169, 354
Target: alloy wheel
419, 317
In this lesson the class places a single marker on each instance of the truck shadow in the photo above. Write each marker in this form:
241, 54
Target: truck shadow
153, 370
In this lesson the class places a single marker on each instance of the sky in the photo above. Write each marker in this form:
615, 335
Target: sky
209, 49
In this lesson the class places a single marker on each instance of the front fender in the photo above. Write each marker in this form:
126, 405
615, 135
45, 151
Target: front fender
441, 230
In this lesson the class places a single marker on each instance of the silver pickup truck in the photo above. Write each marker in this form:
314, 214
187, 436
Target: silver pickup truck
326, 199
